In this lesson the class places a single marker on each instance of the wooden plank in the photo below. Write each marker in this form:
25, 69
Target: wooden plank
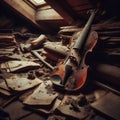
19, 66
16, 110
61, 10
26, 11
42, 95
33, 116
68, 109
108, 105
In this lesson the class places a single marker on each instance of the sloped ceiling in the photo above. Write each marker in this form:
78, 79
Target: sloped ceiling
64, 12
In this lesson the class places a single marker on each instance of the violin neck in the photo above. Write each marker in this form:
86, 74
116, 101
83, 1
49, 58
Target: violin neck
80, 41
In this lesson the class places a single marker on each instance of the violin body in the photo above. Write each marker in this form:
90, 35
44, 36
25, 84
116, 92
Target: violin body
79, 72
82, 71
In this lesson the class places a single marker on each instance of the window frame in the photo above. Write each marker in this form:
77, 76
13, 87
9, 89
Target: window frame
34, 5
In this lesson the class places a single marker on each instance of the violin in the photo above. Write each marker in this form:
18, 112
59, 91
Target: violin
71, 74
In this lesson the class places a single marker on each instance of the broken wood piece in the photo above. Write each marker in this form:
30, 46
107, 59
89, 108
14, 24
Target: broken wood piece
25, 48
108, 105
5, 92
57, 49
99, 93
69, 31
43, 95
7, 40
95, 95
3, 85
56, 104
16, 110
39, 41
42, 60
47, 109
19, 66
9, 101
71, 108
56, 117
4, 88
68, 27
24, 35
4, 58
7, 50
26, 94
34, 43
22, 83
3, 52
50, 56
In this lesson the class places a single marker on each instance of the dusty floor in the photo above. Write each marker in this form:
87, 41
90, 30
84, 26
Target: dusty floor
27, 92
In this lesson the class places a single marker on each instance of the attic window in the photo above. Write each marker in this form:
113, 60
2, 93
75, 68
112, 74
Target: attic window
37, 2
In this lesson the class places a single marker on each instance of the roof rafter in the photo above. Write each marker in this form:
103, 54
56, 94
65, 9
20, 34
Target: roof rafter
64, 9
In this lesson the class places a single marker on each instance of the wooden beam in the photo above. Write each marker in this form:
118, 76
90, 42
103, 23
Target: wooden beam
27, 12
62, 10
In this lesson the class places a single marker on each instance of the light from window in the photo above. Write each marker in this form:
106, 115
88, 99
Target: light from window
37, 2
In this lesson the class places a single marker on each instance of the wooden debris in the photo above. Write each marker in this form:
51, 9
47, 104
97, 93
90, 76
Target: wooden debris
56, 49
33, 116
7, 50
16, 110
3, 84
7, 40
4, 58
42, 60
13, 98
108, 105
70, 107
56, 117
50, 56
43, 98
5, 92
47, 109
19, 66
22, 83
68, 27
4, 88
43, 95
69, 31
33, 44
39, 41
100, 93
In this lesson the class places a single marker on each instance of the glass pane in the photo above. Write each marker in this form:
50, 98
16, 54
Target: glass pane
37, 2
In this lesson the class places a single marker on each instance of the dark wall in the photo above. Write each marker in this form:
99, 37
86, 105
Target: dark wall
10, 19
